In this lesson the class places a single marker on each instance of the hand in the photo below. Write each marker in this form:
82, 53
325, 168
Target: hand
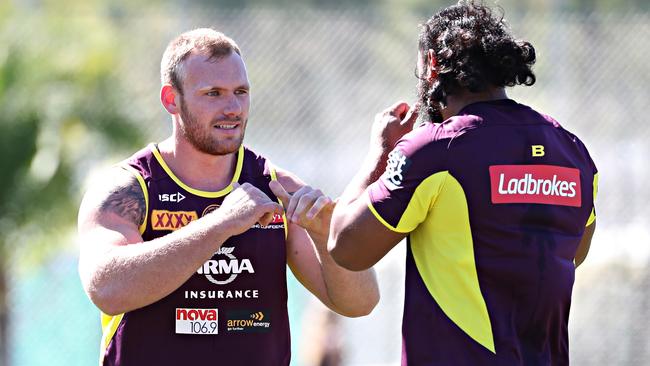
245, 206
391, 124
307, 207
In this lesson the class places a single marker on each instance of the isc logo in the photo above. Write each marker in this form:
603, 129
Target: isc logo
171, 197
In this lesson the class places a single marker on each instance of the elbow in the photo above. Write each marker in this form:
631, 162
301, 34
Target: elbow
344, 257
363, 308
105, 299
368, 307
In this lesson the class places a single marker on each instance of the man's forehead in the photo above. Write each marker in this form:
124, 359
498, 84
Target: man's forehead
201, 68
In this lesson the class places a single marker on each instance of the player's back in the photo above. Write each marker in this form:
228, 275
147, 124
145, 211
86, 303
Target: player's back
496, 250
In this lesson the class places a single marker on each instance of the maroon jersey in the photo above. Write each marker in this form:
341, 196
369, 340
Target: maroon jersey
495, 201
233, 310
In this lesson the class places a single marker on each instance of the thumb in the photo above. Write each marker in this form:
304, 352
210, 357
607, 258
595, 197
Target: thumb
411, 116
398, 109
279, 191
269, 209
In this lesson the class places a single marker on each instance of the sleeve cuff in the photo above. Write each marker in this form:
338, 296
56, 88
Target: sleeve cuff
381, 219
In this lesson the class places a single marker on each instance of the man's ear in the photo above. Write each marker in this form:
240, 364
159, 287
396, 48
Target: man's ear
168, 99
431, 64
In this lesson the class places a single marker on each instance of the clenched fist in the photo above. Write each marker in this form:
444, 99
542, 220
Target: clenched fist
246, 205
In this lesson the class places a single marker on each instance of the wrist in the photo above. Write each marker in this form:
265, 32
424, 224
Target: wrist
222, 222
375, 164
319, 236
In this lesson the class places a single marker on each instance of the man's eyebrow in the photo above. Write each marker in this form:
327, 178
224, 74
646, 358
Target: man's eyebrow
219, 88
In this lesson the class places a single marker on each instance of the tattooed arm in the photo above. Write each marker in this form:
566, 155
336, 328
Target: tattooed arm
119, 276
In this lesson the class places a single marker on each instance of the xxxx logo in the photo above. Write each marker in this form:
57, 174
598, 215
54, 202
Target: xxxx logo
171, 220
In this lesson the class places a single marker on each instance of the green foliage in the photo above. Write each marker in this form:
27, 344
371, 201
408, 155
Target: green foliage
60, 98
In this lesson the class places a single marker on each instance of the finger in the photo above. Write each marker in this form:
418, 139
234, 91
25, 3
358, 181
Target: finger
266, 219
295, 199
318, 206
271, 207
410, 117
279, 191
306, 201
399, 109
257, 194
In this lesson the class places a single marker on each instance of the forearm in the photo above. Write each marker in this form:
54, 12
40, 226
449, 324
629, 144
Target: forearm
372, 168
127, 277
344, 212
351, 293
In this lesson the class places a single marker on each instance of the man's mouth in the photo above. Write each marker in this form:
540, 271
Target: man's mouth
226, 126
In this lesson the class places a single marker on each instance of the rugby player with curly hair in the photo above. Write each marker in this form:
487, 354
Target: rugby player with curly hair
496, 201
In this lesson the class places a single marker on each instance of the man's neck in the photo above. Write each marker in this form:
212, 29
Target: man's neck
195, 168
458, 101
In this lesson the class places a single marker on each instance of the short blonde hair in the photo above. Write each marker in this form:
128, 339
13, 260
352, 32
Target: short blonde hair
204, 40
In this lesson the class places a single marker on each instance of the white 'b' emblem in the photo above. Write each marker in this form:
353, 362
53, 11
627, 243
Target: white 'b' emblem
395, 168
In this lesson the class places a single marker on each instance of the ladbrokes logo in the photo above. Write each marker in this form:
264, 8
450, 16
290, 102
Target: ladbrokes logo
545, 184
224, 270
246, 321
171, 220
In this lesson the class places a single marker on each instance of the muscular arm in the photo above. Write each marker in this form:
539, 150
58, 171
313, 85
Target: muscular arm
345, 292
585, 243
119, 271
357, 239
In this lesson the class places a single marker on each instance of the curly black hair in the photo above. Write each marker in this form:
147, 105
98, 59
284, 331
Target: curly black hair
474, 50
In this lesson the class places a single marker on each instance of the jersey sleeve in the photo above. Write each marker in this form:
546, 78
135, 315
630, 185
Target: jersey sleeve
592, 216
594, 170
402, 197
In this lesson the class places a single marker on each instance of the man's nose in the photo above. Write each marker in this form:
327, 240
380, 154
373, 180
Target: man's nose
234, 106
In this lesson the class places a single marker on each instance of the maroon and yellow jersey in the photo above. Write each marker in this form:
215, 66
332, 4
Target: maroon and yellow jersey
495, 201
233, 310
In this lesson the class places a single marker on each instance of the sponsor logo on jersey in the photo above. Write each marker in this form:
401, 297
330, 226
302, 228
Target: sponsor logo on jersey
171, 220
224, 267
209, 209
247, 321
171, 197
197, 321
396, 167
222, 294
277, 219
543, 184
275, 224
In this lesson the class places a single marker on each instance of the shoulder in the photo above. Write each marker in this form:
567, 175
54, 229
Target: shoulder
289, 181
115, 191
437, 133
140, 162
258, 163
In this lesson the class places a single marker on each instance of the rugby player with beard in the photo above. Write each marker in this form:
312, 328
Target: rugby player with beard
184, 246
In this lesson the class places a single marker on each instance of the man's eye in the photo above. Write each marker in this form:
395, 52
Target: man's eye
212, 93
242, 91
